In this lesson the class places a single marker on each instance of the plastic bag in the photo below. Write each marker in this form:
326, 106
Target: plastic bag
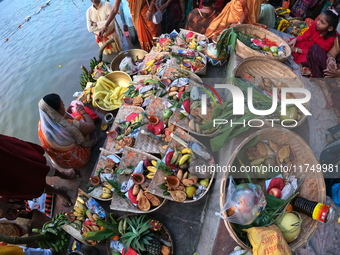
268, 240
244, 203
126, 65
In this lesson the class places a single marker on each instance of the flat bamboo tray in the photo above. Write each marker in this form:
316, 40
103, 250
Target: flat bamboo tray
313, 188
168, 73
185, 31
146, 143
123, 112
245, 52
97, 191
159, 176
163, 233
274, 70
132, 157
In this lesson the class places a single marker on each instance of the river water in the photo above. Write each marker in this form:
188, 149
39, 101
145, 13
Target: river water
43, 56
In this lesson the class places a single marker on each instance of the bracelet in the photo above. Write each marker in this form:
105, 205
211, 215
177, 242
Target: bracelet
330, 58
296, 50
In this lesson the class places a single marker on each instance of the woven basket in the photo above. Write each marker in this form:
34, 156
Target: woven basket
245, 52
184, 32
202, 71
97, 191
146, 143
313, 188
268, 68
132, 157
163, 232
159, 176
123, 112
134, 53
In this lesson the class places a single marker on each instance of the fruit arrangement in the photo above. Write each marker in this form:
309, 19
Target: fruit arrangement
189, 60
87, 94
136, 188
191, 40
55, 237
107, 164
84, 216
139, 93
153, 62
183, 174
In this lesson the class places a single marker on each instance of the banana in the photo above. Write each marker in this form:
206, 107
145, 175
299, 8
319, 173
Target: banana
183, 159
151, 62
107, 185
120, 227
150, 176
178, 158
186, 151
105, 195
152, 169
106, 190
154, 163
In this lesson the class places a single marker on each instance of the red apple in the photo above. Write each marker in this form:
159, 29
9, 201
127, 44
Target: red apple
275, 192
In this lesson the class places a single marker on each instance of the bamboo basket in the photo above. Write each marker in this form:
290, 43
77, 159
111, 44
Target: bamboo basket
132, 157
75, 233
313, 188
159, 176
161, 233
275, 70
245, 52
156, 106
123, 112
185, 31
97, 191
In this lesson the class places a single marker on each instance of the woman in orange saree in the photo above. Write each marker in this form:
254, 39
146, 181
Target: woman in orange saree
235, 12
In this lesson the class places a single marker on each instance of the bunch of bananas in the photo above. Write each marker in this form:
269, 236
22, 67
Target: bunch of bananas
88, 92
152, 169
86, 76
193, 43
149, 65
79, 209
107, 190
55, 236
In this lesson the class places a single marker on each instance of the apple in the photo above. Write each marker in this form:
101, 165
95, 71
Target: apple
275, 192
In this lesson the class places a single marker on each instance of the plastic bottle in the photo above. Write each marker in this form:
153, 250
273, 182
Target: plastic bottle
315, 210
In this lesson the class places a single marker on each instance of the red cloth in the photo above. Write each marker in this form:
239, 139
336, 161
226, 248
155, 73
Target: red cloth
310, 37
23, 167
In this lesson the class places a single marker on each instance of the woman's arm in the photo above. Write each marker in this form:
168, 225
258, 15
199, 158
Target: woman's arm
88, 126
111, 16
182, 3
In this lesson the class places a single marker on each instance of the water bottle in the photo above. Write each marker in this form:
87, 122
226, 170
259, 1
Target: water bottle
315, 210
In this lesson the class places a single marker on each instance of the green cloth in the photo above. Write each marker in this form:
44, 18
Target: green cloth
267, 15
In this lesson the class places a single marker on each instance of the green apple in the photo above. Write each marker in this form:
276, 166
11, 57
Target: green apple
167, 113
266, 48
274, 49
199, 47
190, 191
204, 182
199, 58
291, 113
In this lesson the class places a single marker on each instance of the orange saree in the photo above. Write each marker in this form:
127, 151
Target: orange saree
146, 29
233, 13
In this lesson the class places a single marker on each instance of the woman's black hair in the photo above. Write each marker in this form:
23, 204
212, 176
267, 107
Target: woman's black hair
53, 100
332, 20
208, 3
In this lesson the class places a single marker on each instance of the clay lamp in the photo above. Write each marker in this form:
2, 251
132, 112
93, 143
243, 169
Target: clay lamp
70, 216
128, 100
153, 119
143, 72
94, 180
113, 134
138, 178
166, 82
172, 181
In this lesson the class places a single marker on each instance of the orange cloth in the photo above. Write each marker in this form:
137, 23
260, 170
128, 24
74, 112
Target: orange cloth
11, 250
76, 157
146, 29
233, 13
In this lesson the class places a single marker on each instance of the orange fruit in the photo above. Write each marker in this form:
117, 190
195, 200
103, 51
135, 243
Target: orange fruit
289, 208
115, 238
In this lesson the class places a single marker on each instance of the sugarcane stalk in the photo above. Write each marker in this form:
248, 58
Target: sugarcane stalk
22, 240
100, 53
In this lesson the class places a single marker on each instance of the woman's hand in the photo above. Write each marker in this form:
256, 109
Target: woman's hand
292, 42
94, 24
331, 64
332, 73
80, 108
148, 15
163, 6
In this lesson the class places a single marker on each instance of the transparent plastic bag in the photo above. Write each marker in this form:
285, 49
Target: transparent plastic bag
126, 65
244, 203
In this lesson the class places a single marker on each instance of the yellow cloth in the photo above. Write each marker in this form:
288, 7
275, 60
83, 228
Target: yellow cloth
107, 94
99, 16
11, 250
233, 13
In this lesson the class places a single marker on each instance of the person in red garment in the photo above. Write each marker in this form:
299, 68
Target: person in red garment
24, 169
323, 33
